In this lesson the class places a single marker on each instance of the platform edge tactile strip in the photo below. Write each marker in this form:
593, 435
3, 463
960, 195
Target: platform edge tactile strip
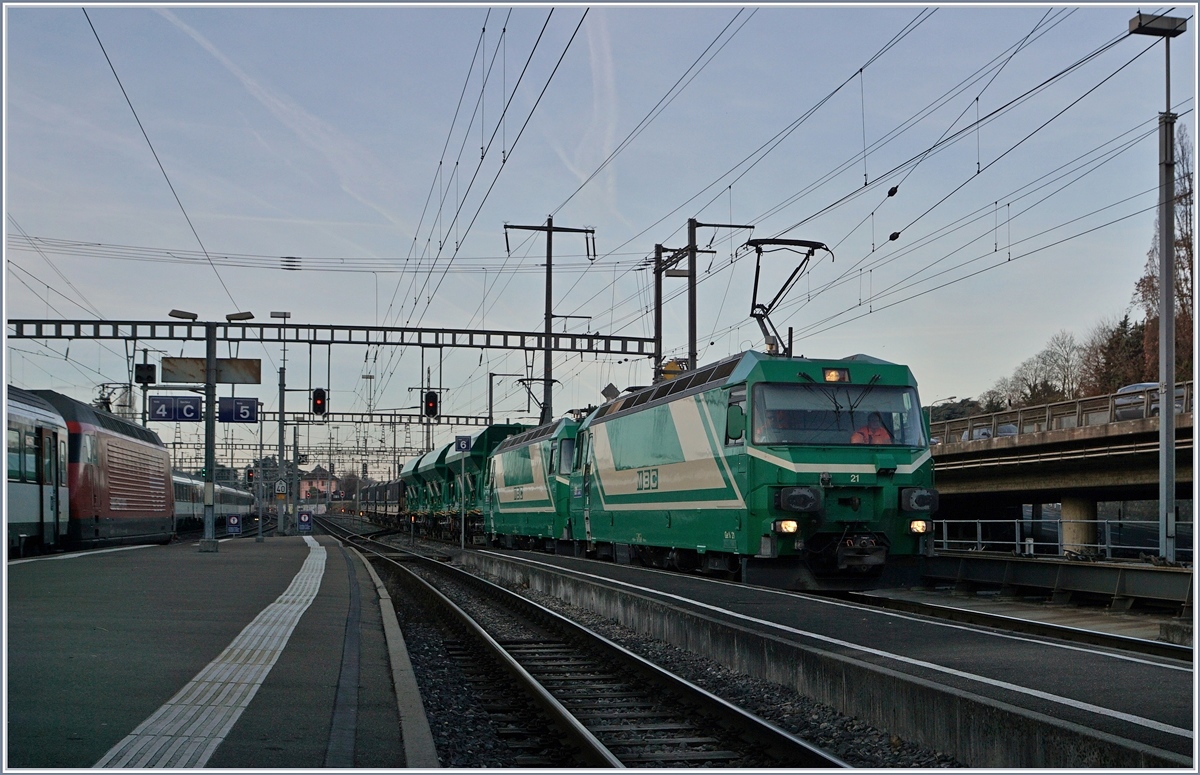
186, 731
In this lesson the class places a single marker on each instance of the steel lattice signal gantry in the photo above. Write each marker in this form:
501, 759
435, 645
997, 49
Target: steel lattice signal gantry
340, 418
299, 333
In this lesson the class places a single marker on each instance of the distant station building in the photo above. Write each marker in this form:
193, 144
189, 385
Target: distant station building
317, 483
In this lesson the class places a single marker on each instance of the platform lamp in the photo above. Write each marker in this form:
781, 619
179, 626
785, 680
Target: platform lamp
209, 542
1165, 27
281, 515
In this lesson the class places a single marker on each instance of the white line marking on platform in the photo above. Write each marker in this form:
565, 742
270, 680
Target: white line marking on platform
73, 555
188, 729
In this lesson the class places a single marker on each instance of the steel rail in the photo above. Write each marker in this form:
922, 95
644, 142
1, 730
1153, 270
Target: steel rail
1025, 626
592, 750
771, 739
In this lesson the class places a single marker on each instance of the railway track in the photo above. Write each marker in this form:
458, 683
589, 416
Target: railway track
538, 671
1024, 625
1013, 624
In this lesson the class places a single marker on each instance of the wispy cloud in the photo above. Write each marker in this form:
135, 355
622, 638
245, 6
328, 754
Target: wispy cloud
355, 167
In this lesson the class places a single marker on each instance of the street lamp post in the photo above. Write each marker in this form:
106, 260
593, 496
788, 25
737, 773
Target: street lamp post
258, 479
209, 542
1165, 27
281, 522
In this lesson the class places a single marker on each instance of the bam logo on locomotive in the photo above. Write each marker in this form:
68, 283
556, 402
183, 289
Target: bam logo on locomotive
647, 479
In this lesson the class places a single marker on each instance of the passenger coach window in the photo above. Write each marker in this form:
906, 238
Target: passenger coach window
47, 460
14, 455
30, 457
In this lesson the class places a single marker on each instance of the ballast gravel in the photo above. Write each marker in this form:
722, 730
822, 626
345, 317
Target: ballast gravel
465, 737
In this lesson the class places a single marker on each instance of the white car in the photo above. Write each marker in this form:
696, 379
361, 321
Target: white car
1131, 400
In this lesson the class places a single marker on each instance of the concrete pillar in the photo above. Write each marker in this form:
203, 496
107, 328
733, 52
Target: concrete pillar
1079, 525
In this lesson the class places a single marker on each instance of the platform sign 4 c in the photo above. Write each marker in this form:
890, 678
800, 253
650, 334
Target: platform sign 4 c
176, 408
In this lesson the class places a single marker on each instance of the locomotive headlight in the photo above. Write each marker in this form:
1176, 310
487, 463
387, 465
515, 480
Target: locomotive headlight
919, 499
785, 526
920, 526
803, 499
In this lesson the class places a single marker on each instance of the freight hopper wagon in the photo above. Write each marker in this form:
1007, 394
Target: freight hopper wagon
788, 472
467, 483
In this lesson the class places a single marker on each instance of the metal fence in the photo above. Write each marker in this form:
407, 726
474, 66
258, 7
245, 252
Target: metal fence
1083, 539
1094, 410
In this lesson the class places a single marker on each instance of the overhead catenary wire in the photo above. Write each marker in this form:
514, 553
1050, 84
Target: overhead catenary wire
500, 278
946, 141
157, 161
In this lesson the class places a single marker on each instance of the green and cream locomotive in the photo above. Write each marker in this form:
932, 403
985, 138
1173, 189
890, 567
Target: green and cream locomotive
790, 472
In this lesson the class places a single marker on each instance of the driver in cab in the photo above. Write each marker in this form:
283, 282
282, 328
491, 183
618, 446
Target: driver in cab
873, 432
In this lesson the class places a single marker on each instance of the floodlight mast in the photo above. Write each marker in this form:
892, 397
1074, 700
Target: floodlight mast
762, 312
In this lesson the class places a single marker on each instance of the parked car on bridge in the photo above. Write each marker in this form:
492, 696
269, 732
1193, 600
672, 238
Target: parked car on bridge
1132, 400
983, 432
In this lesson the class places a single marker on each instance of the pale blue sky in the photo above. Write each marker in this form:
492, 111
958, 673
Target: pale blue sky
319, 133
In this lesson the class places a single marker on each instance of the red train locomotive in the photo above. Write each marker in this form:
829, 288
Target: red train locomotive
118, 482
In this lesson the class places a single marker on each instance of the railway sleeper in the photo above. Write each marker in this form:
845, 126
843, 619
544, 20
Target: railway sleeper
605, 704
684, 756
617, 726
672, 741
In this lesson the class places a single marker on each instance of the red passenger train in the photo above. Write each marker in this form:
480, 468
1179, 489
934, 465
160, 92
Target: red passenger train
118, 477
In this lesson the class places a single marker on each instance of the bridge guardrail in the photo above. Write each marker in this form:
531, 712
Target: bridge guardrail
1092, 539
1080, 412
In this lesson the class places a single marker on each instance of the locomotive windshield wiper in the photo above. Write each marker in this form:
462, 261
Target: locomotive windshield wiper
870, 386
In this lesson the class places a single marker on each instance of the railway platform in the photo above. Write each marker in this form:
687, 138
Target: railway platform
275, 654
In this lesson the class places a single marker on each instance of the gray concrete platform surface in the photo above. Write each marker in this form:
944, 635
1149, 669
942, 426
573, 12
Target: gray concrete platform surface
260, 655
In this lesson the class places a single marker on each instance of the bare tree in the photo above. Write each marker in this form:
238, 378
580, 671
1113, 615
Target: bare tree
1063, 358
1145, 293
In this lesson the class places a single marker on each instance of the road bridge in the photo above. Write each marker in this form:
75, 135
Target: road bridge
1076, 453
1110, 461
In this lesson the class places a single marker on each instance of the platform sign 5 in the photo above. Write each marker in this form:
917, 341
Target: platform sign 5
175, 408
237, 410
233, 524
304, 522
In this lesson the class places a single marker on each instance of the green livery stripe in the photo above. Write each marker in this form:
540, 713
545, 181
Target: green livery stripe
716, 437
648, 480
651, 441
521, 481
835, 468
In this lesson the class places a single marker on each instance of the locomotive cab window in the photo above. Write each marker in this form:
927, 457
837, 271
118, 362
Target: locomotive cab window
830, 414
737, 404
566, 454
